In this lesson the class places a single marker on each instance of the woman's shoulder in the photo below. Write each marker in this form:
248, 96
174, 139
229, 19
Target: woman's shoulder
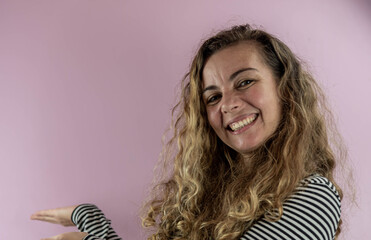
311, 212
319, 187
315, 205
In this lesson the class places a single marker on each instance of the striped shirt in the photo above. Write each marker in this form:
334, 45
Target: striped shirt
90, 219
312, 212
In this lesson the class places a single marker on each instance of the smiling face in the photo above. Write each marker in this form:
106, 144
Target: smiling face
240, 95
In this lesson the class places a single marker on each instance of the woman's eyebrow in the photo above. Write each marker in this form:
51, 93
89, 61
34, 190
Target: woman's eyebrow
235, 74
211, 87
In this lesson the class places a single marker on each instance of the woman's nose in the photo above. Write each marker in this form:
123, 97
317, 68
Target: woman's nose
230, 103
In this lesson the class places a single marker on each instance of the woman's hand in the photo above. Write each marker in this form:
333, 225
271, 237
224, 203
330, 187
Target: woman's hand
68, 236
60, 216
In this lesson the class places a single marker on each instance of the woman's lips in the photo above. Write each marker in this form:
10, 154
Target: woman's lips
241, 125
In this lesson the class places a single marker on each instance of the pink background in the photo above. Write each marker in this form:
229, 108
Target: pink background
86, 88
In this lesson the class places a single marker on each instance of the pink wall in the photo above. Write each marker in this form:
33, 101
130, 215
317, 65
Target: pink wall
86, 88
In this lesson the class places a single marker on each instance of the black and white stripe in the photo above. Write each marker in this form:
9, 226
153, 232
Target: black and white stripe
88, 218
312, 212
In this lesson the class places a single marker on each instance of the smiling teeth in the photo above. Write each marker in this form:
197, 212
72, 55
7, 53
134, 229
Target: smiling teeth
240, 124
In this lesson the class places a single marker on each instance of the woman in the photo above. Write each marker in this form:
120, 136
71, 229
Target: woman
250, 156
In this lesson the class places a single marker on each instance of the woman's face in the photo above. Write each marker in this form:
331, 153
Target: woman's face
240, 95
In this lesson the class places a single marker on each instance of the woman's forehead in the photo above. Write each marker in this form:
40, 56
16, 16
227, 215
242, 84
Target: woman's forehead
229, 60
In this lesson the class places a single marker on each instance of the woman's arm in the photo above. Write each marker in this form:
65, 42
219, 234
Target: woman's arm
87, 217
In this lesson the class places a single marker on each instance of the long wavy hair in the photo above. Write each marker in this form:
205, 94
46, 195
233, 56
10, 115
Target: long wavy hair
207, 191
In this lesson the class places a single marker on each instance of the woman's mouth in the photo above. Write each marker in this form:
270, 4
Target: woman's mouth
242, 123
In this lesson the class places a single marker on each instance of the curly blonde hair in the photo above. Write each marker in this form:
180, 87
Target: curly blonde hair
208, 192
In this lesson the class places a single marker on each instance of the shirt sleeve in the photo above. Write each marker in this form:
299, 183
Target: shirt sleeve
312, 212
90, 219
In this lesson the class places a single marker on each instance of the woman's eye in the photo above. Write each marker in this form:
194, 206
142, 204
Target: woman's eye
213, 99
245, 83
